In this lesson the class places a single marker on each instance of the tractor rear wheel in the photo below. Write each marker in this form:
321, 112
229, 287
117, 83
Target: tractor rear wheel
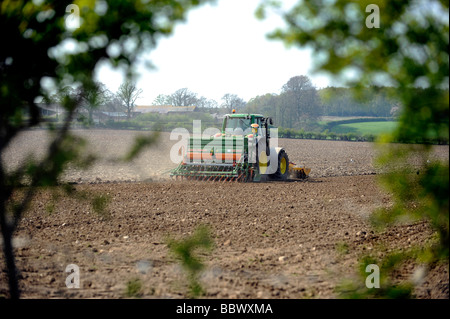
282, 172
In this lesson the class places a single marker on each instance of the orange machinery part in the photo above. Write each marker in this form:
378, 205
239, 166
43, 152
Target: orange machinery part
218, 156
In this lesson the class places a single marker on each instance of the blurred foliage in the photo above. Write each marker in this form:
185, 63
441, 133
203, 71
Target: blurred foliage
340, 101
134, 288
92, 96
185, 251
421, 194
100, 205
408, 50
44, 52
47, 56
393, 285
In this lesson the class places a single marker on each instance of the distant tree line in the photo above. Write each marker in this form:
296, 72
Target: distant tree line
96, 97
185, 97
300, 104
373, 102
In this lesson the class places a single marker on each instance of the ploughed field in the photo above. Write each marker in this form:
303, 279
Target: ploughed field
296, 239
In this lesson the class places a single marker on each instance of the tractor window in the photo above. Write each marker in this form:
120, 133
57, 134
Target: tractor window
261, 131
238, 126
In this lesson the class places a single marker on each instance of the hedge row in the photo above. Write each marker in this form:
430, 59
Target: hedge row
152, 126
300, 134
326, 135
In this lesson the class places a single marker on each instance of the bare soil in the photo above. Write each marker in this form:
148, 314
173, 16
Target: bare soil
297, 239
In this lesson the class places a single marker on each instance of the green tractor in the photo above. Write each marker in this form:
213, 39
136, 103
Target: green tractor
241, 152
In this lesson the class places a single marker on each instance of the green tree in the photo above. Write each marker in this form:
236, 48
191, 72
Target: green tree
298, 103
409, 49
265, 104
204, 104
375, 101
36, 60
301, 100
59, 96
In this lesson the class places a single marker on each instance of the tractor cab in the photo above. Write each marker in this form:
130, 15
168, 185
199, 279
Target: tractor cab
248, 125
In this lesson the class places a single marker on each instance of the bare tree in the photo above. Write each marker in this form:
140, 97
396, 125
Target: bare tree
204, 102
184, 97
113, 104
128, 94
231, 101
162, 99
59, 98
93, 96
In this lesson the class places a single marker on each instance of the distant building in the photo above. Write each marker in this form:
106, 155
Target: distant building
50, 109
103, 115
163, 109
55, 109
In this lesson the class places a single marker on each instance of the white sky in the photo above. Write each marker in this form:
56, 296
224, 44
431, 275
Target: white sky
222, 48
